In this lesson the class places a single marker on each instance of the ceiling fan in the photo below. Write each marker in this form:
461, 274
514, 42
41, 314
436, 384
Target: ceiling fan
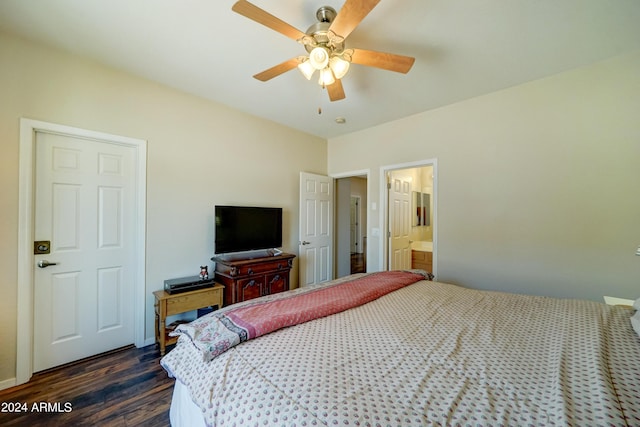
324, 42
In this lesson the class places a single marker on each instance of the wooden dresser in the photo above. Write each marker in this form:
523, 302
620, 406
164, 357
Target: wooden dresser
244, 279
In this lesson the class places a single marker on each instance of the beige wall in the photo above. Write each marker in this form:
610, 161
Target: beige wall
199, 153
538, 185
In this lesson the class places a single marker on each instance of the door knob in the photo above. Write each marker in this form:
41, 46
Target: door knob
43, 263
304, 242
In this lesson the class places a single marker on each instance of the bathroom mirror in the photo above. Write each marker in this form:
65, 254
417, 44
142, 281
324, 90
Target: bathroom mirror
421, 209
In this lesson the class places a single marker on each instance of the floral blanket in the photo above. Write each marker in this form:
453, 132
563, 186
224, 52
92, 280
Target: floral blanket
219, 331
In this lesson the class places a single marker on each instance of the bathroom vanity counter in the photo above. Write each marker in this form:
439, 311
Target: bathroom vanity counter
422, 255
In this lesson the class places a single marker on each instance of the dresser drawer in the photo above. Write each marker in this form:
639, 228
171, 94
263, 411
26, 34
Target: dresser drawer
250, 288
276, 282
261, 268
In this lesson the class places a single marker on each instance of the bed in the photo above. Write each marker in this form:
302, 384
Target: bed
412, 354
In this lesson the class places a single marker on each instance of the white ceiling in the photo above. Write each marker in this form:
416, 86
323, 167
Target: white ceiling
463, 49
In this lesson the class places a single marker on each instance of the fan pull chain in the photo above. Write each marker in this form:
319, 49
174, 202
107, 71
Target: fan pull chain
322, 96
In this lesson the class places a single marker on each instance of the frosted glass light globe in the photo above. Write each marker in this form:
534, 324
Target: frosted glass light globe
319, 58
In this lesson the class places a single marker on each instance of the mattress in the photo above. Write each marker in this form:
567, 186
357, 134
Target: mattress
428, 353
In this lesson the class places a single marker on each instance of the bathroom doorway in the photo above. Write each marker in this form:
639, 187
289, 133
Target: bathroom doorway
410, 216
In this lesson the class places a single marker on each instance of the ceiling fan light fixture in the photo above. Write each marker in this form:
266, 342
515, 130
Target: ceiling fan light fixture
319, 57
324, 41
306, 69
339, 66
326, 77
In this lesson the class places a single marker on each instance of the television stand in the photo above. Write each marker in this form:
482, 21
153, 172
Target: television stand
249, 278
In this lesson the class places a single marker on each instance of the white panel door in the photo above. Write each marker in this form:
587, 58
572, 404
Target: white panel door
84, 205
399, 222
316, 229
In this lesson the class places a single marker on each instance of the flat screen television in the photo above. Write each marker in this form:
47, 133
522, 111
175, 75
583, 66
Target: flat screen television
247, 228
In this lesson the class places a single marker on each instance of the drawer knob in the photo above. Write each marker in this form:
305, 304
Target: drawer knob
250, 271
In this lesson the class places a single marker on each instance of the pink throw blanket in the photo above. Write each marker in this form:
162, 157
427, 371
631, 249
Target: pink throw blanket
216, 333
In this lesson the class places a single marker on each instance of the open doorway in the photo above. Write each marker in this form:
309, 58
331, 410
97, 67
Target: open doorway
357, 240
410, 216
351, 223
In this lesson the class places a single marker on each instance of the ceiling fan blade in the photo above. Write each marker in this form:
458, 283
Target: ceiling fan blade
386, 61
336, 91
351, 14
277, 70
254, 13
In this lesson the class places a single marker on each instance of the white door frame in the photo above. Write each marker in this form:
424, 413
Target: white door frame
26, 263
384, 214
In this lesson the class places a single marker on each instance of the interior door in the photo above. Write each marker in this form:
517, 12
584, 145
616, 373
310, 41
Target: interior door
399, 222
83, 286
315, 229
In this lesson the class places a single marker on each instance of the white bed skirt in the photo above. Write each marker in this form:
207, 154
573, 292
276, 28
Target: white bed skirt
183, 412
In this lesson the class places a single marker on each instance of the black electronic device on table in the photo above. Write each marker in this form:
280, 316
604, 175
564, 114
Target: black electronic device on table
185, 284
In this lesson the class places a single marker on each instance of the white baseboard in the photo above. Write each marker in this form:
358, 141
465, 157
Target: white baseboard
4, 384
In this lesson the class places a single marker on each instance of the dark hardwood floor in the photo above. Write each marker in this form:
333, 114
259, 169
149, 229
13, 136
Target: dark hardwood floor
125, 387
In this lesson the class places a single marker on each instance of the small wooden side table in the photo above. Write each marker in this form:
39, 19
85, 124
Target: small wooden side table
169, 304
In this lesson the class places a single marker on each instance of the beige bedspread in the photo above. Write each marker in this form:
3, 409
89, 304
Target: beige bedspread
428, 354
